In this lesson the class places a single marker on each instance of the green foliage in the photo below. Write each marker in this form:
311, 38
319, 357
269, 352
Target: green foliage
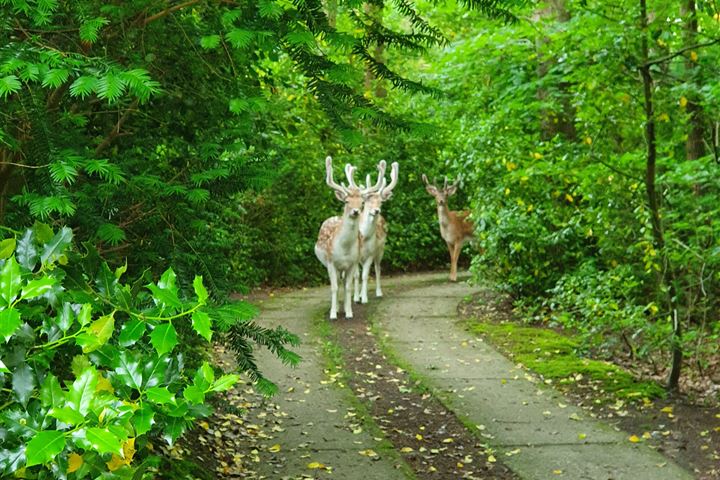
93, 368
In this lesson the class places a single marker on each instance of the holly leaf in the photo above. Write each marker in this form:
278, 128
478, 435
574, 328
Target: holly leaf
51, 392
56, 247
131, 332
97, 334
10, 281
7, 247
194, 394
160, 395
67, 415
9, 322
37, 287
202, 324
224, 383
26, 253
82, 391
44, 447
164, 338
103, 440
143, 420
23, 383
200, 289
128, 369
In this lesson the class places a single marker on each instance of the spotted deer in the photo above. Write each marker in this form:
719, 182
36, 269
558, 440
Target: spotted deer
372, 230
338, 243
455, 228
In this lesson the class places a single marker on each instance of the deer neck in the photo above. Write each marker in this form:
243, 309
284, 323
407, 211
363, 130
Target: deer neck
443, 216
368, 224
347, 237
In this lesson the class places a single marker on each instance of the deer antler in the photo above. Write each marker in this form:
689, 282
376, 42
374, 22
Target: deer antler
350, 174
387, 189
329, 177
426, 181
382, 165
445, 184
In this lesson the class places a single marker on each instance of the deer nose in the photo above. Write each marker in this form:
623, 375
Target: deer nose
376, 211
354, 212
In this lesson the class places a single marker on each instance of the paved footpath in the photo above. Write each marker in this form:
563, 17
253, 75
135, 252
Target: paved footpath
539, 435
318, 428
532, 428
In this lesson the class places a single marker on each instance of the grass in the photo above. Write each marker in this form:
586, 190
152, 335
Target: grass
557, 358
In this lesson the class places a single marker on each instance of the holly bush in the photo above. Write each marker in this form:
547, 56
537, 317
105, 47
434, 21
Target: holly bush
93, 367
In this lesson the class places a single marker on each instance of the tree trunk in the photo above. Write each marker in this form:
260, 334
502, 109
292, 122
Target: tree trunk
555, 122
375, 12
652, 194
694, 147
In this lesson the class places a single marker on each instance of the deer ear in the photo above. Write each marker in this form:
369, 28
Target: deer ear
431, 190
386, 195
340, 195
451, 190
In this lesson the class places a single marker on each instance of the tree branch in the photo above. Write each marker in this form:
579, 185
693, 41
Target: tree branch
170, 10
116, 129
679, 52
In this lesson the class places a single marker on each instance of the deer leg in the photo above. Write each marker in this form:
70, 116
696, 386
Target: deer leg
452, 264
349, 276
356, 282
456, 255
378, 290
333, 274
365, 275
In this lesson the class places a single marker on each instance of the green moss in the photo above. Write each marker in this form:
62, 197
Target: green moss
558, 357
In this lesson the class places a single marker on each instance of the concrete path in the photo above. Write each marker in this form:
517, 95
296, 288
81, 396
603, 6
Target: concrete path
537, 433
319, 424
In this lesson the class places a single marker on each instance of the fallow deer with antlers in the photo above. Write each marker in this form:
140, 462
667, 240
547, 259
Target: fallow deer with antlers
338, 244
372, 230
455, 228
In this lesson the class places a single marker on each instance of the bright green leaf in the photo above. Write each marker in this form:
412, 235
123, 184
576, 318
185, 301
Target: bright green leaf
44, 446
164, 338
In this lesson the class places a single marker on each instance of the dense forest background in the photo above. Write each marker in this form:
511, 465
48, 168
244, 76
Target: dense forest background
192, 134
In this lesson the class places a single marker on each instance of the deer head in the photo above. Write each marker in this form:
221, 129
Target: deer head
351, 196
375, 195
441, 195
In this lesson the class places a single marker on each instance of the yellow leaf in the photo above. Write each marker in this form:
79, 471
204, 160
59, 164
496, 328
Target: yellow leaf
634, 438
368, 453
205, 425
646, 435
664, 117
275, 448
569, 198
448, 440
683, 102
693, 56
492, 459
104, 385
75, 461
406, 450
432, 469
507, 191
537, 155
582, 436
588, 140
557, 472
129, 450
419, 437
315, 465
460, 465
115, 463
511, 166
667, 410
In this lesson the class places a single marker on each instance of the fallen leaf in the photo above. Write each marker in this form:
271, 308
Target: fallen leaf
406, 450
667, 410
368, 453
558, 472
316, 465
275, 448
634, 438
491, 459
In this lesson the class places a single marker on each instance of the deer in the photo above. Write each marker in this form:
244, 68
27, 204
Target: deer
338, 243
455, 228
372, 230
